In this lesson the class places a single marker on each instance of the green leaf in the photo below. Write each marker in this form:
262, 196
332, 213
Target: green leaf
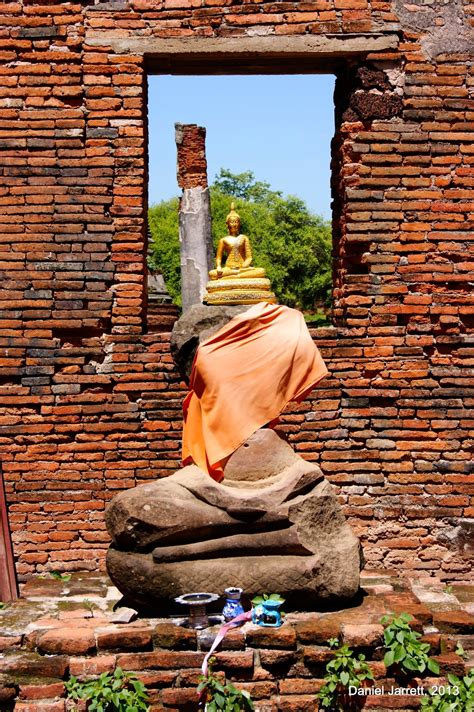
219, 699
389, 658
399, 653
276, 597
433, 665
115, 699
344, 678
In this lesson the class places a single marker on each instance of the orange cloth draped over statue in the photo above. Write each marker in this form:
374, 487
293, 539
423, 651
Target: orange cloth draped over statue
242, 378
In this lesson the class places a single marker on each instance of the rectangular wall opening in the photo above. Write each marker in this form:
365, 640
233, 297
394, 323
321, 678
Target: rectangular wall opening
268, 147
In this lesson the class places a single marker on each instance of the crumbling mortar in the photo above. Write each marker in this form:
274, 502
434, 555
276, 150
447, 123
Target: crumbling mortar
443, 23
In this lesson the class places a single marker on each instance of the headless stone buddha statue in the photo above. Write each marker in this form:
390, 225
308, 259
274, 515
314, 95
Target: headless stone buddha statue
236, 281
272, 522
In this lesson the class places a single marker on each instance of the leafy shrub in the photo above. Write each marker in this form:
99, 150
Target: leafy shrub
111, 692
344, 670
60, 576
457, 695
222, 697
404, 648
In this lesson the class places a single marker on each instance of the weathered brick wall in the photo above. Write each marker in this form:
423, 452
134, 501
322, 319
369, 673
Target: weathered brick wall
90, 402
282, 668
191, 150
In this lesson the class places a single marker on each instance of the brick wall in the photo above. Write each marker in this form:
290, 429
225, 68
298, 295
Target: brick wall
282, 668
89, 398
191, 151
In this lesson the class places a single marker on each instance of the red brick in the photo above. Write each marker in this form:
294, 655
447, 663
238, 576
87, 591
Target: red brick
454, 622
75, 641
361, 635
41, 691
86, 667
300, 686
124, 637
43, 706
160, 660
283, 637
297, 703
179, 696
10, 642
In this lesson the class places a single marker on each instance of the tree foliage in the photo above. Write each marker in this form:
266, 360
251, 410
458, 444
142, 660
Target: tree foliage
290, 242
163, 224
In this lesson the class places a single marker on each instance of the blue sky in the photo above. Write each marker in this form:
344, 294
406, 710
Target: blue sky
279, 127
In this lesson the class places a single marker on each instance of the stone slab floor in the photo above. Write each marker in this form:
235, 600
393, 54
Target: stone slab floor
63, 628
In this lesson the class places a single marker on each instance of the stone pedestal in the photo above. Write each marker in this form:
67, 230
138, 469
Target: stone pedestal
273, 524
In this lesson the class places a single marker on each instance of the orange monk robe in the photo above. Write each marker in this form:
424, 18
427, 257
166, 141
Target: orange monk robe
242, 378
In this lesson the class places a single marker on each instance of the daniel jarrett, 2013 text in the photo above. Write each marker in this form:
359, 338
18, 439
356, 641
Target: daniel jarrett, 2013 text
420, 690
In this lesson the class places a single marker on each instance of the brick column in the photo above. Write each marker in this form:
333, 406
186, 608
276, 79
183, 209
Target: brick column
194, 213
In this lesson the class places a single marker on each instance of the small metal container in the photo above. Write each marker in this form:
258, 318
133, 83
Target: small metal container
197, 603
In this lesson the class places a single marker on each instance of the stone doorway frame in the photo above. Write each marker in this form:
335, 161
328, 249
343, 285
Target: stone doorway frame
258, 54
8, 582
271, 54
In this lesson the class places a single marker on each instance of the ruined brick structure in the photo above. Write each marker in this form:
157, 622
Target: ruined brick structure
191, 151
90, 402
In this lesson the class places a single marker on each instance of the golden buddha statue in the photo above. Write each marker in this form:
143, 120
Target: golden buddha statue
236, 282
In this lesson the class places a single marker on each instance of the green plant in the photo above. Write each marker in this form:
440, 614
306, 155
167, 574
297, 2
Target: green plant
59, 576
90, 605
404, 648
460, 651
344, 670
220, 697
318, 318
111, 692
257, 600
456, 696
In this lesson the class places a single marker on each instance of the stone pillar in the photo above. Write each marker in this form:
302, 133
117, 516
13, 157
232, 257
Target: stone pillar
194, 213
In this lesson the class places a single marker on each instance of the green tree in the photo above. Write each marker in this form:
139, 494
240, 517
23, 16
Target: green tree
244, 186
290, 242
163, 224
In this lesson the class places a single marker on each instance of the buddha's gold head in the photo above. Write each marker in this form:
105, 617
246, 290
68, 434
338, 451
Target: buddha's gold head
233, 221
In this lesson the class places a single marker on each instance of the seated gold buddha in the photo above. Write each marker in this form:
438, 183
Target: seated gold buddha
236, 282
